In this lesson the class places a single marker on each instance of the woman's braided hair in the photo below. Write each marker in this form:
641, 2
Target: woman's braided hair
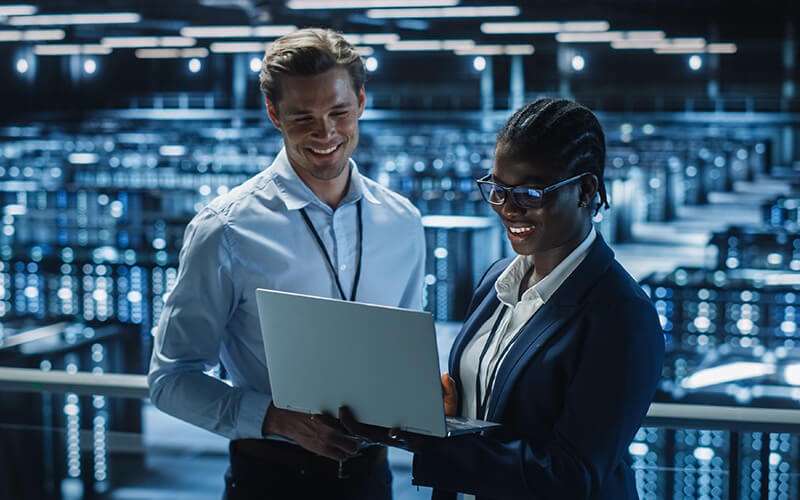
561, 132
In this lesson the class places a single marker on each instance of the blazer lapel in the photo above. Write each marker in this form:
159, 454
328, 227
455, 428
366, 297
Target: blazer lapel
548, 320
544, 324
482, 313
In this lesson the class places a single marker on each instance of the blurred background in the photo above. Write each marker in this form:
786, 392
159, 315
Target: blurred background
120, 119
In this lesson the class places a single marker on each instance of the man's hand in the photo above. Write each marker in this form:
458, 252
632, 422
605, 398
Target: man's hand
450, 395
320, 434
381, 435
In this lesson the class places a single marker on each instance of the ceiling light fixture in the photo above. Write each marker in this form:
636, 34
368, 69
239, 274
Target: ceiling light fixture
365, 51
147, 41
17, 10
590, 37
237, 31
498, 11
494, 50
70, 49
366, 4
429, 45
171, 53
72, 19
31, 35
543, 27
371, 38
238, 47
721, 48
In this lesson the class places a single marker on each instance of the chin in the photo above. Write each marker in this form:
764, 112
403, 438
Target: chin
330, 172
523, 249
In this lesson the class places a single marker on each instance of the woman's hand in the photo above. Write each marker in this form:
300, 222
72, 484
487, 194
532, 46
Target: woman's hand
450, 395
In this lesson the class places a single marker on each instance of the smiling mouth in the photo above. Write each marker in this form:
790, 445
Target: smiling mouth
521, 230
324, 151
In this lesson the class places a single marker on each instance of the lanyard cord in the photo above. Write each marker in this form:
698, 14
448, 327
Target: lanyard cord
480, 404
328, 260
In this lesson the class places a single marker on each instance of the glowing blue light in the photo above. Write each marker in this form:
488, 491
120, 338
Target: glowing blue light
22, 66
638, 449
703, 453
90, 66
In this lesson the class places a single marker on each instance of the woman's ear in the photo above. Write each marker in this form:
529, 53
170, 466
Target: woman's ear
589, 186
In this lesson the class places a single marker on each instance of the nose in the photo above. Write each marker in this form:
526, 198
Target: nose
509, 209
323, 127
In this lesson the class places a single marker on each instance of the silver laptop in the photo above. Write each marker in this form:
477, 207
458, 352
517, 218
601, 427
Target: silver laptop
380, 361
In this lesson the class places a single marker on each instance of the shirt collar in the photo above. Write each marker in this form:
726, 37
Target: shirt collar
296, 194
507, 284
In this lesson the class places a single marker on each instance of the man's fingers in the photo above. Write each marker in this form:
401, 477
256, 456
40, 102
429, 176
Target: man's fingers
373, 433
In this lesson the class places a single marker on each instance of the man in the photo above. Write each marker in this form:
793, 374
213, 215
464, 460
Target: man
310, 223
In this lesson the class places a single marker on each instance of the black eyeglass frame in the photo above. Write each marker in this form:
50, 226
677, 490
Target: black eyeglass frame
519, 193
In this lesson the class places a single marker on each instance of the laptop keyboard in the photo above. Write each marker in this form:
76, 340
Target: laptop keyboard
459, 423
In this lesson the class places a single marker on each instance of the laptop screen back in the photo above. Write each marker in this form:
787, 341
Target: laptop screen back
380, 361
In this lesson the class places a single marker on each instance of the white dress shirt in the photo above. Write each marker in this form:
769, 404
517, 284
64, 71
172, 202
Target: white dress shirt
516, 314
254, 237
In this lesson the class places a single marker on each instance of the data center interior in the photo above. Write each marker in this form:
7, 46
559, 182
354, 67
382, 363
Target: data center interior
120, 120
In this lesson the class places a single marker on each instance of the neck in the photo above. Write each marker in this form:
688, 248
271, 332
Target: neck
330, 191
546, 261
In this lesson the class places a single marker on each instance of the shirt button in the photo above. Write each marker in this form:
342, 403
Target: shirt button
343, 267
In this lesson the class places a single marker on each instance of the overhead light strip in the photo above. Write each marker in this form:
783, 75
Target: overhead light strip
366, 4
490, 50
31, 35
721, 48
543, 27
694, 44
711, 48
591, 37
429, 45
445, 12
237, 47
371, 38
147, 41
237, 31
74, 19
171, 53
70, 49
365, 51
18, 10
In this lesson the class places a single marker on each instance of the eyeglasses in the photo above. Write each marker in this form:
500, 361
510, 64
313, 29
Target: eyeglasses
523, 197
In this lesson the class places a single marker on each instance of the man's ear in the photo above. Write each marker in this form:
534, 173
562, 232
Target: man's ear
272, 112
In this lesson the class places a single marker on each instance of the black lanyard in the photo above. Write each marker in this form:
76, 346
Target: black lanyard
480, 408
328, 260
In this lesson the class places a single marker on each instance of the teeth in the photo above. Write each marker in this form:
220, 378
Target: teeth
520, 230
324, 151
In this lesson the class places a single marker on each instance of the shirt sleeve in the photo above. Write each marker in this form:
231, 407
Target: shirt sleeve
190, 333
412, 295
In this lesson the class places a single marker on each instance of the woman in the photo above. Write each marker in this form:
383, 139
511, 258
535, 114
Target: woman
561, 345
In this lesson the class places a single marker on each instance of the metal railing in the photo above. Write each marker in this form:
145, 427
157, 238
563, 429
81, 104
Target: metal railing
735, 418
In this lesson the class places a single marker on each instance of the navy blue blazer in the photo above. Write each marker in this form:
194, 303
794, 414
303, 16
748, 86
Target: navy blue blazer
571, 393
